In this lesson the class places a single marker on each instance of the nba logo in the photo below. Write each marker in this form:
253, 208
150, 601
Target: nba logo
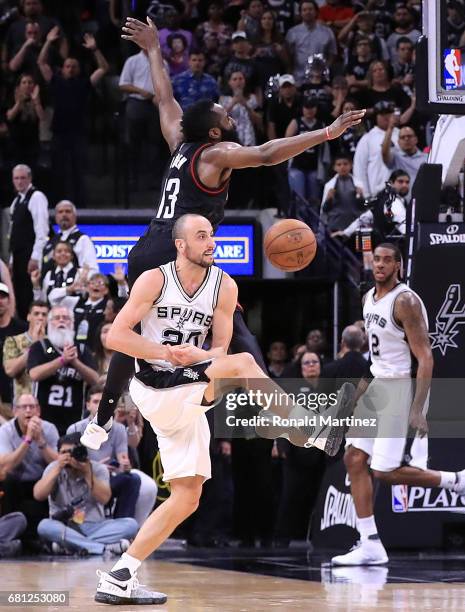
452, 68
399, 498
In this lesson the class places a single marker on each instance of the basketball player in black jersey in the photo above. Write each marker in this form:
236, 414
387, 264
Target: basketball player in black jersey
196, 181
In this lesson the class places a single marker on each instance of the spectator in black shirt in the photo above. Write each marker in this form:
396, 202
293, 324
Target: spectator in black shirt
358, 64
241, 61
270, 54
70, 91
32, 11
62, 369
306, 169
404, 67
351, 364
280, 113
381, 89
24, 118
8, 327
276, 358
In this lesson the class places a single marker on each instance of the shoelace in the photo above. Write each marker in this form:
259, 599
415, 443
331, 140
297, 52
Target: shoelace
135, 585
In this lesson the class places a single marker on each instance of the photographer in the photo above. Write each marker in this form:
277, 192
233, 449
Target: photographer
77, 490
386, 213
134, 491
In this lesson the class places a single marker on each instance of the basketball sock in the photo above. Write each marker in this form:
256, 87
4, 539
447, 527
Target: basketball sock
126, 562
448, 480
367, 527
120, 370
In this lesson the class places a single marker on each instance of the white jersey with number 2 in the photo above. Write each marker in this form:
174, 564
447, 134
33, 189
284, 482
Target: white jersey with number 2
389, 350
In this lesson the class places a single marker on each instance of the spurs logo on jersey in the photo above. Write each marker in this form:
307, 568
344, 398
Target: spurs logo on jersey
389, 350
177, 318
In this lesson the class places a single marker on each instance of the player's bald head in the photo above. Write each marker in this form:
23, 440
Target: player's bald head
188, 223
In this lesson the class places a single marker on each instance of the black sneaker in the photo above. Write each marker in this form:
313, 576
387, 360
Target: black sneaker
11, 549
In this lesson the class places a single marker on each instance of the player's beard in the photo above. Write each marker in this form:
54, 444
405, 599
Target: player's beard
198, 260
229, 135
60, 337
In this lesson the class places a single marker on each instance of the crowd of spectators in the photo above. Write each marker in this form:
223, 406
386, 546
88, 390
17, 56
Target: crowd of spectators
280, 70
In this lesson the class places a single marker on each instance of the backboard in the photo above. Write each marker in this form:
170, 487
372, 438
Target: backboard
440, 63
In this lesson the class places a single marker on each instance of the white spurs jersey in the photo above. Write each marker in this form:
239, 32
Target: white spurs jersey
178, 318
389, 350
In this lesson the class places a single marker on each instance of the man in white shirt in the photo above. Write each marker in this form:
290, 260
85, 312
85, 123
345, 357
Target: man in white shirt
386, 217
83, 247
28, 235
141, 113
407, 156
369, 167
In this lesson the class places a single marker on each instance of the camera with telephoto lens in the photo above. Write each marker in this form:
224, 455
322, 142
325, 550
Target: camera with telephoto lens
79, 452
67, 512
386, 197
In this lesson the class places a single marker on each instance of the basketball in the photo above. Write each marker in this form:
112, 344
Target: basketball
290, 245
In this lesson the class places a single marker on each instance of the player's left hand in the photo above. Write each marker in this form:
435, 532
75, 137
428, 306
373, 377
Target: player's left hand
145, 35
187, 354
344, 122
418, 421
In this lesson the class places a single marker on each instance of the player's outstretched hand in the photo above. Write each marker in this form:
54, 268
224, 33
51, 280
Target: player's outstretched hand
143, 34
344, 122
418, 421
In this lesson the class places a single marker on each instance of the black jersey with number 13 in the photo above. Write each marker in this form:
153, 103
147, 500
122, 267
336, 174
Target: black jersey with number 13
183, 192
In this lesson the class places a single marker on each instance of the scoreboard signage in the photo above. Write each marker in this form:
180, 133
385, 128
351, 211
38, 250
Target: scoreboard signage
234, 251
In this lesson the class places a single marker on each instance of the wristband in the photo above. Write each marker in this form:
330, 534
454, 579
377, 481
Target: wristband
62, 360
28, 440
328, 137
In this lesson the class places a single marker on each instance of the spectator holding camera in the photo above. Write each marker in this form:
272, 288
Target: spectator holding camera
388, 213
62, 369
78, 489
27, 445
134, 491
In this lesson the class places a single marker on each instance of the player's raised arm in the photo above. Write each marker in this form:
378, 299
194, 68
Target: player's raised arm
408, 312
121, 336
145, 35
232, 155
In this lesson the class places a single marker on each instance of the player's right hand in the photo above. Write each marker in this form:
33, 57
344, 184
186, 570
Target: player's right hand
418, 421
345, 121
145, 35
187, 354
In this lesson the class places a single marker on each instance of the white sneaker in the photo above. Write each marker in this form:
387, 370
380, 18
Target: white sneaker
459, 487
94, 435
111, 590
117, 548
366, 552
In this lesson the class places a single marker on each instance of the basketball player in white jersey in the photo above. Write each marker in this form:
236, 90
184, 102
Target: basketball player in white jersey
397, 327
174, 385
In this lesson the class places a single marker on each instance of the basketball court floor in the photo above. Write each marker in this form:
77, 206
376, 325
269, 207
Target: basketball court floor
201, 580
